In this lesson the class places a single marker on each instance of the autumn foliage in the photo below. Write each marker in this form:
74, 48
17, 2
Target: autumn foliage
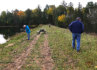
20, 13
61, 18
50, 11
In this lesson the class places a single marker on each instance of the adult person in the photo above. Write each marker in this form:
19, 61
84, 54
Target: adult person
77, 28
27, 29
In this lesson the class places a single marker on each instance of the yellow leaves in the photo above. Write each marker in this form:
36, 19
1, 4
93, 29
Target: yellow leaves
50, 11
61, 18
34, 11
20, 13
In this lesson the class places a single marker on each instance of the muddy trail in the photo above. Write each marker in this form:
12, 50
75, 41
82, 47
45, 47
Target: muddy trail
18, 62
47, 61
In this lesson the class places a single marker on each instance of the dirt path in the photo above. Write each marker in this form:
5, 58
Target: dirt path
18, 62
21, 46
47, 61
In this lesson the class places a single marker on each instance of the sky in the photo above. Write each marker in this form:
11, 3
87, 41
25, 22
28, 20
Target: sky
32, 4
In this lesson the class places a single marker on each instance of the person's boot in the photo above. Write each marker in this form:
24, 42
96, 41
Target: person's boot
78, 50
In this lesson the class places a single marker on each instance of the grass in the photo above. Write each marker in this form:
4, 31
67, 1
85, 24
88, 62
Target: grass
65, 58
8, 53
60, 43
31, 62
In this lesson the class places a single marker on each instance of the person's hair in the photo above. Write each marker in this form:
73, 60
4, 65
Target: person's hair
24, 25
78, 18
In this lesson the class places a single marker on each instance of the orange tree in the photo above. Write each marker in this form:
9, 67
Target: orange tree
21, 16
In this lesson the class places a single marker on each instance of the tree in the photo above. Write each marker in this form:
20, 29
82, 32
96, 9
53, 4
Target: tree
78, 12
51, 14
60, 10
15, 17
9, 18
45, 15
3, 18
20, 13
61, 18
50, 11
28, 16
90, 5
37, 15
64, 4
70, 11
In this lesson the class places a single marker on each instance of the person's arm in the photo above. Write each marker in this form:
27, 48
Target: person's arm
70, 27
25, 29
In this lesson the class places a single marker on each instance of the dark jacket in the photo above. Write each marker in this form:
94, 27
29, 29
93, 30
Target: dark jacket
76, 27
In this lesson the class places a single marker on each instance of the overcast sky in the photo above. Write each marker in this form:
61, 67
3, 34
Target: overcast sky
32, 4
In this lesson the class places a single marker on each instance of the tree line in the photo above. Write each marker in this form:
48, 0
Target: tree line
60, 16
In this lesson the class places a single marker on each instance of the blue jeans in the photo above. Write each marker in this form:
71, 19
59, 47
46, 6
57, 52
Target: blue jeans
76, 36
28, 34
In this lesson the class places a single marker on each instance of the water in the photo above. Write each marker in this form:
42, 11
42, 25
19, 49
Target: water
2, 39
7, 32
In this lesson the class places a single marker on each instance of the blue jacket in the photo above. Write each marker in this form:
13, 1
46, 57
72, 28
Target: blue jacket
76, 27
27, 29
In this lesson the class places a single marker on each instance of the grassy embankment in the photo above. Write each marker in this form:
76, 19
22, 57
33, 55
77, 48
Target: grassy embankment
14, 47
64, 57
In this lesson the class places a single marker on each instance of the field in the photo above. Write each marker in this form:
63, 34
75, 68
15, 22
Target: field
50, 51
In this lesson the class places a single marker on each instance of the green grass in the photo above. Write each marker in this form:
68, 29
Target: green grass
60, 43
31, 62
7, 54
